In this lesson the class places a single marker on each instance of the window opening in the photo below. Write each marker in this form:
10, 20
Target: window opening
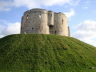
32, 28
55, 32
62, 21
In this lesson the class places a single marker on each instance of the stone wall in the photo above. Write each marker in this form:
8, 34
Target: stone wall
35, 21
40, 21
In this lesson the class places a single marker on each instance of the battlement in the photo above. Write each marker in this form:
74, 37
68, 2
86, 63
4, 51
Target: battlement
41, 21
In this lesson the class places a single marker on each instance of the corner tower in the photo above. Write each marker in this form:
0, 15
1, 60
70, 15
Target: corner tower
35, 21
60, 24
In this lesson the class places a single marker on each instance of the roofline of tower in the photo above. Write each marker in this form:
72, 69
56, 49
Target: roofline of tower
60, 13
39, 9
43, 10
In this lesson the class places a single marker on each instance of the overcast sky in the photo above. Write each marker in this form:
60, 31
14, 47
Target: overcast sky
81, 16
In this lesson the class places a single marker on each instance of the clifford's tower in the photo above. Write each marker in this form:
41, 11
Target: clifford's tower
41, 21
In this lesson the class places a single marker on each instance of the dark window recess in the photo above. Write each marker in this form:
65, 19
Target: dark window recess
51, 15
32, 28
50, 26
62, 21
55, 32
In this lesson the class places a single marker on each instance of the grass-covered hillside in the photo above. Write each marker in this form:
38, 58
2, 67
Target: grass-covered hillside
45, 53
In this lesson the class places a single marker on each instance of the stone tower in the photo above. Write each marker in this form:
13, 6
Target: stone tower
41, 21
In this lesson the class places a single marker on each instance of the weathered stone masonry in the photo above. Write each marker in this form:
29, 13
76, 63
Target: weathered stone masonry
41, 21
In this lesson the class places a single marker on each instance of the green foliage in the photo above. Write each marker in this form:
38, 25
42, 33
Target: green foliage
45, 53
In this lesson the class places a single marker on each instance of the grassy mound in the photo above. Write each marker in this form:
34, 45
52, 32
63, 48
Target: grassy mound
45, 53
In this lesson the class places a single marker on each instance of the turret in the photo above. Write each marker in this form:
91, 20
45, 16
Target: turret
60, 23
35, 21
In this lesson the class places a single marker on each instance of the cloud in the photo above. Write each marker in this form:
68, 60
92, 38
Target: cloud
12, 28
70, 13
27, 3
54, 2
1, 36
74, 2
86, 31
85, 7
39, 3
5, 5
9, 28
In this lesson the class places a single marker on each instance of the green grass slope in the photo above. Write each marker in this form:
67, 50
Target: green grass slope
45, 53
